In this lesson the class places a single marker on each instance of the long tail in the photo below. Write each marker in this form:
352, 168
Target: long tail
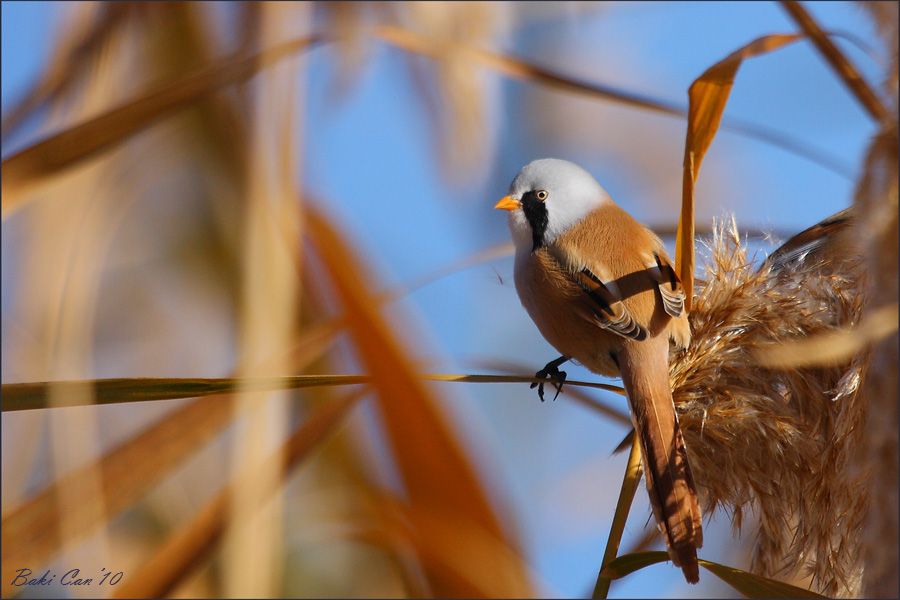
645, 373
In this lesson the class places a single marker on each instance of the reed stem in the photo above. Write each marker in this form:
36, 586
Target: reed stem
626, 497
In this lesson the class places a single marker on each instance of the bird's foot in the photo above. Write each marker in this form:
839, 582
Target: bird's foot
552, 374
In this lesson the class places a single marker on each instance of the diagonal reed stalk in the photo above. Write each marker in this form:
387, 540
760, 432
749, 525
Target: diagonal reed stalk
623, 506
437, 472
838, 61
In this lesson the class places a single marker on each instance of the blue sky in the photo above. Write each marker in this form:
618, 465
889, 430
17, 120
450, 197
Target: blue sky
371, 156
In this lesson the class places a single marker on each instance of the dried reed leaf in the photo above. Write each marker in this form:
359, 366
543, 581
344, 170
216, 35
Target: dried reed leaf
437, 474
777, 442
832, 347
838, 61
28, 167
748, 584
514, 379
190, 545
708, 96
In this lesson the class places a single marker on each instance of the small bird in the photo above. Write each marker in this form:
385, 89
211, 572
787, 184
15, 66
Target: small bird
602, 291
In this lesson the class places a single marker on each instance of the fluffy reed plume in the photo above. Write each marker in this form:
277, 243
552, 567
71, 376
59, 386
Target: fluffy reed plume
776, 441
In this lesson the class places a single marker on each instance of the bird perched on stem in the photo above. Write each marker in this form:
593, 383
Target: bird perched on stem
601, 289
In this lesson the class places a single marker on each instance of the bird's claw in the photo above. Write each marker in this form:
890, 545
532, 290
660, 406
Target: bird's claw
556, 378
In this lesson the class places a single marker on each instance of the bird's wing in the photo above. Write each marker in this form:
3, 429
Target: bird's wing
609, 311
614, 260
668, 283
821, 243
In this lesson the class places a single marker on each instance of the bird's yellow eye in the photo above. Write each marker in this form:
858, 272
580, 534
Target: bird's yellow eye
542, 195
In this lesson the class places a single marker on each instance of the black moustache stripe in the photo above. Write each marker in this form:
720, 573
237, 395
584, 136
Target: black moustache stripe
536, 213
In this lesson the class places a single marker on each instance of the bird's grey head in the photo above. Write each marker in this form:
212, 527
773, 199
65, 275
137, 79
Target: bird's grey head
546, 198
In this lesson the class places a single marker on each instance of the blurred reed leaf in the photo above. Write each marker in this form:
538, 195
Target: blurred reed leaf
32, 396
708, 96
832, 347
65, 149
189, 546
133, 467
435, 469
748, 584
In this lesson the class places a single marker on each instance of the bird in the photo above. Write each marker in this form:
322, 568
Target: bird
827, 242
602, 291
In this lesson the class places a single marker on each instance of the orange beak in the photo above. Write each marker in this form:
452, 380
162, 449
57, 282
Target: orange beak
508, 203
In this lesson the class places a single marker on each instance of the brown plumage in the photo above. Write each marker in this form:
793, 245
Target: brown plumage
602, 291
